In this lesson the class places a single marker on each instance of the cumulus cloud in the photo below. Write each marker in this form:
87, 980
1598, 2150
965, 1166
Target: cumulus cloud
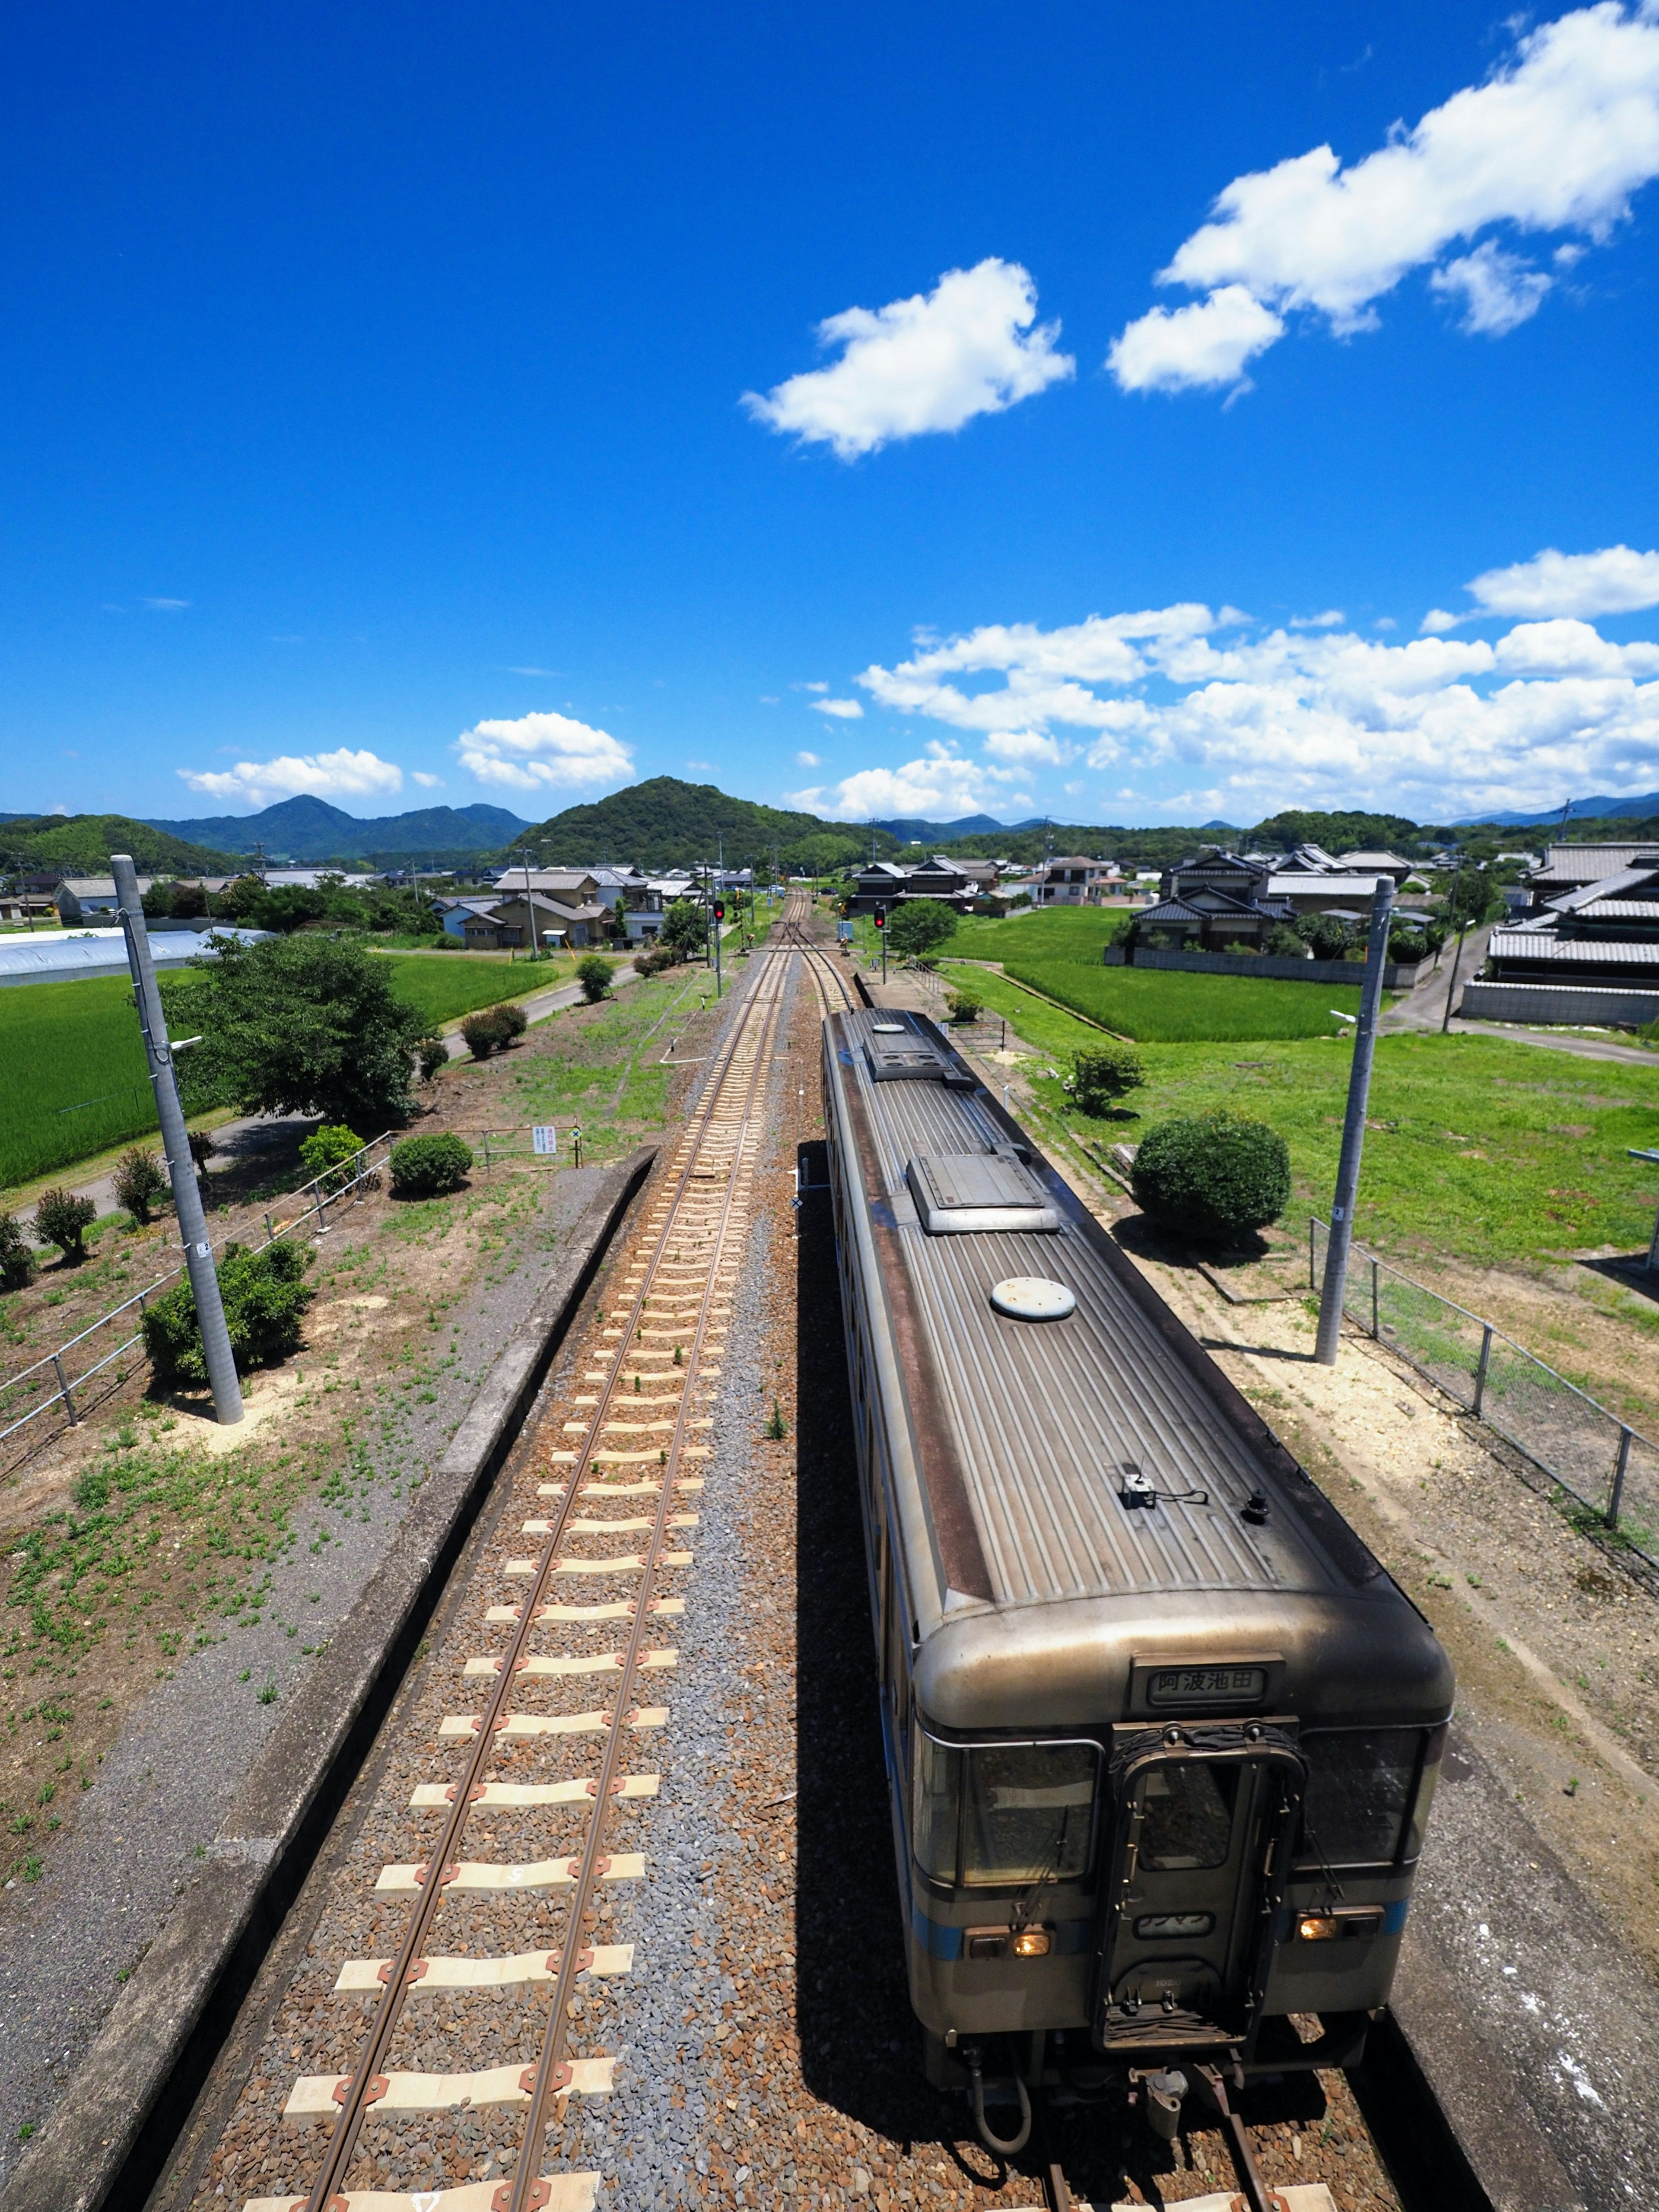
1499, 290
808, 760
428, 782
1438, 726
844, 710
1558, 138
544, 751
1614, 581
342, 775
971, 346
940, 786
1331, 619
1174, 349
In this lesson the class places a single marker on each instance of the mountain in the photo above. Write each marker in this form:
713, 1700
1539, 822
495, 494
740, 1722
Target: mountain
941, 833
308, 830
666, 823
1639, 809
81, 845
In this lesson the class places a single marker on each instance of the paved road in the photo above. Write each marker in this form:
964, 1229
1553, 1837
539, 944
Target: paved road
1424, 1008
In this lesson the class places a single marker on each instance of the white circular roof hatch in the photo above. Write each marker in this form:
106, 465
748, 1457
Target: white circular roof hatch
1032, 1298
888, 1029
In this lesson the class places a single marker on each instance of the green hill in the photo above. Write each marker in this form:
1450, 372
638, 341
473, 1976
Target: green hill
666, 823
81, 845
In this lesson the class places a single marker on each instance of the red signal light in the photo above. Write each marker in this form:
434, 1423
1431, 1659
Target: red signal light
881, 917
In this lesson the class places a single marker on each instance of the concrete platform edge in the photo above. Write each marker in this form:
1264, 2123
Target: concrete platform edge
107, 2141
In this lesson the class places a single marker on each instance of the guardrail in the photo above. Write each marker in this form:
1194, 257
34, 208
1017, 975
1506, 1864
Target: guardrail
1608, 1468
318, 1195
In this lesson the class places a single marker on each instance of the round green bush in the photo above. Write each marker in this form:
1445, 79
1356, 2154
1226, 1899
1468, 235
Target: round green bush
425, 1167
1213, 1179
330, 1153
513, 1019
264, 1295
594, 975
433, 1055
16, 1255
964, 1007
485, 1033
140, 1182
1102, 1075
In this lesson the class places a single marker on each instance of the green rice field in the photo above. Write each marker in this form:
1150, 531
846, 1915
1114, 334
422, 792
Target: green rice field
73, 1081
1075, 934
1159, 1007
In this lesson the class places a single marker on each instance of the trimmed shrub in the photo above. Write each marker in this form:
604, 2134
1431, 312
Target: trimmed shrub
594, 976
425, 1167
1283, 943
16, 1258
433, 1055
652, 963
1408, 945
1328, 937
62, 1219
1213, 1179
1100, 1077
484, 1033
140, 1181
964, 1007
331, 1154
266, 1296
513, 1019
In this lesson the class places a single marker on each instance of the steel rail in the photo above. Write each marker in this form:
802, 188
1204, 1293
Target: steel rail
327, 2191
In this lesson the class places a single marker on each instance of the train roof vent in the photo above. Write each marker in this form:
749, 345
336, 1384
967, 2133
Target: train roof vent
900, 1053
957, 1192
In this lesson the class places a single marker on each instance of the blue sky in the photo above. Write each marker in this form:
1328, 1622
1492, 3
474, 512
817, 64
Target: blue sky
508, 403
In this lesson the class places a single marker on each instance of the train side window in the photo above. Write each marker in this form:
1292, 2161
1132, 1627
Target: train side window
1187, 1814
1360, 1786
1028, 1812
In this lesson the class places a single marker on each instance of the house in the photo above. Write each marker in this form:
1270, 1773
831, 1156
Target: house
1570, 867
1071, 879
457, 911
1375, 864
1209, 902
505, 925
1305, 892
1602, 932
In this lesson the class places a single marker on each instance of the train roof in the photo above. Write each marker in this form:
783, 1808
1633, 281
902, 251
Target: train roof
1025, 1435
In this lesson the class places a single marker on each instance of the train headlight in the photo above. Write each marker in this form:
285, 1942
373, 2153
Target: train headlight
1346, 1921
1317, 1927
1032, 1943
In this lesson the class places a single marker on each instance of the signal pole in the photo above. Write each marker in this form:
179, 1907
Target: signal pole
1353, 1128
175, 1142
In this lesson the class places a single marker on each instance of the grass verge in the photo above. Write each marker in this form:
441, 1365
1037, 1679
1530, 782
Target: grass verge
1154, 1006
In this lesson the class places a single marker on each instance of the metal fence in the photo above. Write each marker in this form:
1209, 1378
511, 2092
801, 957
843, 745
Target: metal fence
1597, 1459
312, 1201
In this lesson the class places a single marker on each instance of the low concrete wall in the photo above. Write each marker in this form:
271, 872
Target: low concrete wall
1574, 1004
1397, 975
110, 2136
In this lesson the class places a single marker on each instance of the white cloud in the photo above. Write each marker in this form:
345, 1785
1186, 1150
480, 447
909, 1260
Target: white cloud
939, 787
1437, 726
342, 775
1558, 138
1171, 349
514, 670
809, 687
1437, 622
1614, 581
167, 607
844, 710
1333, 618
1499, 290
428, 782
541, 751
930, 363
808, 760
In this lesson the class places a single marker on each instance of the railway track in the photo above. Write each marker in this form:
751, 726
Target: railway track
567, 1706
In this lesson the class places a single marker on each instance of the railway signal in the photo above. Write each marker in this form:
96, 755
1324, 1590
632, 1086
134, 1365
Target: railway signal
881, 931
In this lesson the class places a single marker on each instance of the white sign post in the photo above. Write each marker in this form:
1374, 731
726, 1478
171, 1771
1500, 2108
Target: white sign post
545, 1137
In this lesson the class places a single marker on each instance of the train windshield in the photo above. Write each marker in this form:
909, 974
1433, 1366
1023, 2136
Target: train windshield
1362, 1786
995, 1815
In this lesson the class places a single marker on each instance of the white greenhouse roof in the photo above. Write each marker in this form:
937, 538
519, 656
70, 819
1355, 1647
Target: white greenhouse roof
65, 955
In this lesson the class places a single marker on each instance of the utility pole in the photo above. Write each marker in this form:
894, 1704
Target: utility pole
529, 910
175, 1142
1462, 932
1353, 1128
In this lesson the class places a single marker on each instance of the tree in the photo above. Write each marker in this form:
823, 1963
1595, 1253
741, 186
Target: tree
684, 929
17, 1258
139, 1181
918, 925
1283, 941
1328, 937
594, 976
264, 1295
303, 1024
62, 1219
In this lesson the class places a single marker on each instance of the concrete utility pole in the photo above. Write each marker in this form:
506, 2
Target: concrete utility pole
1353, 1128
175, 1142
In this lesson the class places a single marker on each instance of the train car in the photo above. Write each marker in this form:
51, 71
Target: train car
1161, 1733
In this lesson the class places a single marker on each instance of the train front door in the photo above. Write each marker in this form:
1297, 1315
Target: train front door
1199, 1841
